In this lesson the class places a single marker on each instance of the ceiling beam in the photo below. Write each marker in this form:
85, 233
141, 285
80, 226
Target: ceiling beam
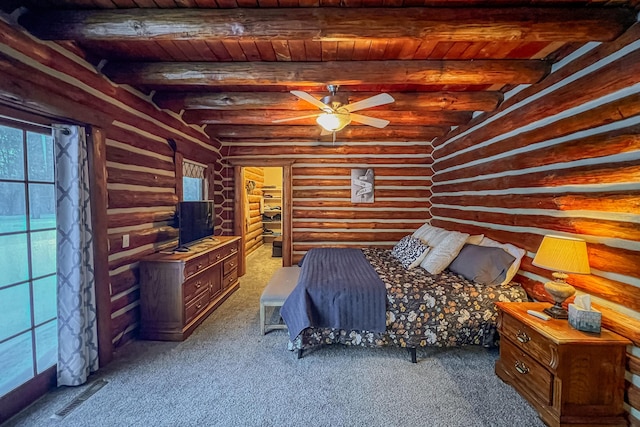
312, 133
333, 24
203, 74
266, 117
431, 101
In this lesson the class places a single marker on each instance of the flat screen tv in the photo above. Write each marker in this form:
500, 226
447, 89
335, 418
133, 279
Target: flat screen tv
195, 221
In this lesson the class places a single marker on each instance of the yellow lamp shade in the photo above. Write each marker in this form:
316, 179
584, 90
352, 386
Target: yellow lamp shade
563, 254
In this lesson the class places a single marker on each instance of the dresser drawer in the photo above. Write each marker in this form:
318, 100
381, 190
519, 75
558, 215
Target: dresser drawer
230, 265
529, 375
230, 278
195, 265
194, 286
529, 341
196, 306
223, 252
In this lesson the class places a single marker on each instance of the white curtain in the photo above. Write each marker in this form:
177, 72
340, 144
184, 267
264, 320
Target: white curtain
77, 329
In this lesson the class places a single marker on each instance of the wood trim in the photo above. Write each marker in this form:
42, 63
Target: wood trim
99, 218
287, 192
178, 161
238, 217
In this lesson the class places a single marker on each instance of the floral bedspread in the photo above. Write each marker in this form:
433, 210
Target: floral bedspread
443, 310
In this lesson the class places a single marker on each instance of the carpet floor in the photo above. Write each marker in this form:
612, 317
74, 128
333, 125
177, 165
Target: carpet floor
227, 374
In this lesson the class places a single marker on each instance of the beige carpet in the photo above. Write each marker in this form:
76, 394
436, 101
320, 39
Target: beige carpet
227, 374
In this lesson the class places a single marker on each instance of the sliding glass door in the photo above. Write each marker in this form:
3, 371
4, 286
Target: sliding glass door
28, 326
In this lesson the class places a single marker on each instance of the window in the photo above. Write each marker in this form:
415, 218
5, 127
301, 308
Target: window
28, 313
194, 185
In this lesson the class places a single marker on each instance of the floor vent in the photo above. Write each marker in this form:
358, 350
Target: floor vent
90, 391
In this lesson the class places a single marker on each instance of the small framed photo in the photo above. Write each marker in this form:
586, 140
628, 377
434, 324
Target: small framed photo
362, 187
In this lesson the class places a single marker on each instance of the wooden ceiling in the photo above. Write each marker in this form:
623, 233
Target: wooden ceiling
230, 64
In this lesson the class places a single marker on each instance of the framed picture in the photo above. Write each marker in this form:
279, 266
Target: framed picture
362, 186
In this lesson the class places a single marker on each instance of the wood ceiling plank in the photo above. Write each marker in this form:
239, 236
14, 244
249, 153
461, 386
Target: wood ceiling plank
478, 72
266, 50
313, 50
333, 24
207, 3
203, 50
189, 50
329, 51
440, 51
472, 50
345, 51
172, 50
361, 50
457, 50
281, 49
250, 50
267, 117
376, 51
227, 4
527, 50
297, 50
425, 49
219, 50
234, 49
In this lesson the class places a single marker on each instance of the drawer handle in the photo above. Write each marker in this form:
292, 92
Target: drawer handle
198, 306
218, 256
523, 337
231, 264
521, 367
199, 266
198, 285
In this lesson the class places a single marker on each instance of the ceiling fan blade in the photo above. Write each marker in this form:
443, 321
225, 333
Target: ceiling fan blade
371, 121
310, 99
296, 118
374, 101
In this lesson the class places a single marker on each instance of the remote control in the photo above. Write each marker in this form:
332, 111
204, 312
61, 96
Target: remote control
538, 314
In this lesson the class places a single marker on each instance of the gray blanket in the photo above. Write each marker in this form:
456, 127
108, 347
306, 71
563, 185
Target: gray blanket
338, 288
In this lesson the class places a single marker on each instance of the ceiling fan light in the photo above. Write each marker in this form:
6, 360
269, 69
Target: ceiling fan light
333, 122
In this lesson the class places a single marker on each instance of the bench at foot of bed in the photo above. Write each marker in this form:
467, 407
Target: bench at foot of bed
412, 353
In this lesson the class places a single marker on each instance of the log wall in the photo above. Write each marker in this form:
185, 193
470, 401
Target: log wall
323, 214
141, 173
253, 234
562, 157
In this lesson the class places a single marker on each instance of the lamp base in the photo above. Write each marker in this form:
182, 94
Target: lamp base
557, 312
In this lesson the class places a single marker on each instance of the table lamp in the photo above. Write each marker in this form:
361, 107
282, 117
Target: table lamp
562, 255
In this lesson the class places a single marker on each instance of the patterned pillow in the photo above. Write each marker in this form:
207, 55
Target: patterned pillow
410, 251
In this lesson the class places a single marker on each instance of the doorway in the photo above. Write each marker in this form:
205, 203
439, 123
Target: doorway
262, 211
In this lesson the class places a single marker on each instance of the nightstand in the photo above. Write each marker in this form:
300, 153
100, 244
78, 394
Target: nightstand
571, 377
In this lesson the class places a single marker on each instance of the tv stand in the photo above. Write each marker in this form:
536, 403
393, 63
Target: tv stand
179, 290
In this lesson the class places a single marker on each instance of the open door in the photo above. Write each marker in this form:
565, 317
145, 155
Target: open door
240, 207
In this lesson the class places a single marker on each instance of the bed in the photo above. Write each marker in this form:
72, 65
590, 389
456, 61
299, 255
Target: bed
419, 308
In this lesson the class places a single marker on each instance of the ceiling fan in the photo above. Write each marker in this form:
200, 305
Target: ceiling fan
336, 112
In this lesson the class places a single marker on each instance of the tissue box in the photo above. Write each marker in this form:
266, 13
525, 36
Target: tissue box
584, 320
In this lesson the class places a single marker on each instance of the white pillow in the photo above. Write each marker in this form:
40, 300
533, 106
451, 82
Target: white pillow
445, 246
511, 249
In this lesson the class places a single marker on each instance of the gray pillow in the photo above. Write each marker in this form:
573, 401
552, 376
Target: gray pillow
483, 264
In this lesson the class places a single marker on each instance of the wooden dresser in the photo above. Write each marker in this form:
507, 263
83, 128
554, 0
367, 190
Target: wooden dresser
571, 377
179, 290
